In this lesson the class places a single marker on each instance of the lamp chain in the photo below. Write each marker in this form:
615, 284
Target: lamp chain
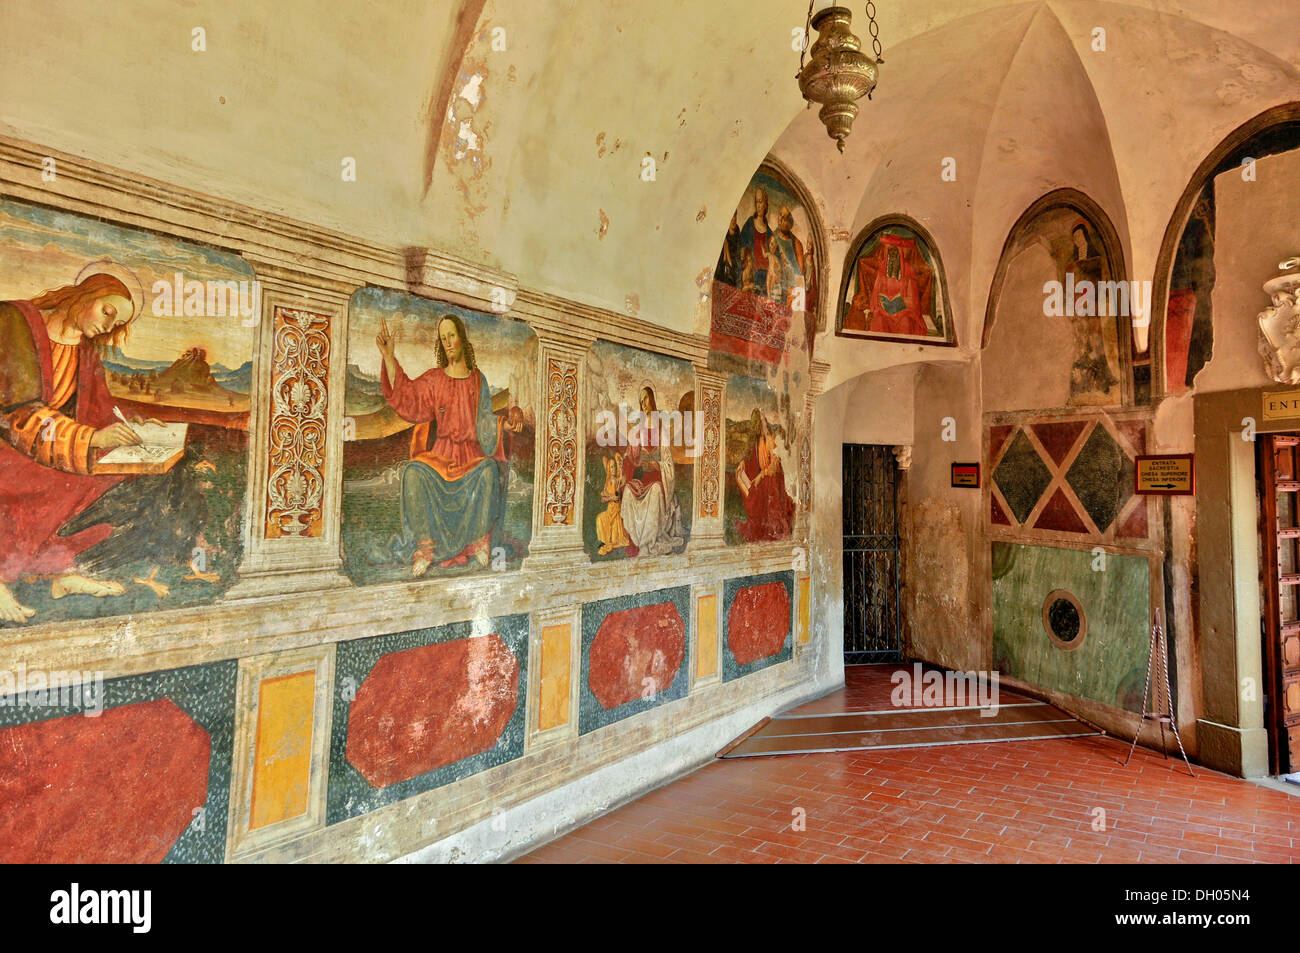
874, 30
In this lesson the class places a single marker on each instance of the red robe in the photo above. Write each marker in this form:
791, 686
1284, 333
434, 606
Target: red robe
888, 305
44, 483
769, 510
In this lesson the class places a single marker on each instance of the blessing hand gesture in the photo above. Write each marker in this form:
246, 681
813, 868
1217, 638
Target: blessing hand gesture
386, 340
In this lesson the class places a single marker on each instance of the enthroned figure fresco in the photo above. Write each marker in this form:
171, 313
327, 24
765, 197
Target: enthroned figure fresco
640, 452
120, 480
894, 288
766, 284
438, 475
759, 457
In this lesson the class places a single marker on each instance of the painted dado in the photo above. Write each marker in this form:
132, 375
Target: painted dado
365, 533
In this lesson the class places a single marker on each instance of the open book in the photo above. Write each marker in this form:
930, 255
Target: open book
162, 449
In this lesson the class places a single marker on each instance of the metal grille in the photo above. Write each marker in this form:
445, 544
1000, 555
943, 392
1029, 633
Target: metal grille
872, 596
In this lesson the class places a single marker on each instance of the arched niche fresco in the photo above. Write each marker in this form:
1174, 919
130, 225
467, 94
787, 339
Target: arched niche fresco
440, 411
1060, 303
894, 286
767, 296
125, 372
1186, 268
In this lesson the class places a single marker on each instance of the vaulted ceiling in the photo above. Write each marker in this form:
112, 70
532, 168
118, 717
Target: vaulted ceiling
529, 157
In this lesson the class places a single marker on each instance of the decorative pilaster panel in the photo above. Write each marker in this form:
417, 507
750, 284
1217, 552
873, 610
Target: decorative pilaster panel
710, 391
291, 539
560, 479
552, 695
557, 513
803, 612
281, 747
299, 397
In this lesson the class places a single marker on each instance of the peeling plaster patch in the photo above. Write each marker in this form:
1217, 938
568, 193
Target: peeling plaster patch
600, 141
681, 117
466, 140
603, 227
1006, 144
633, 304
702, 213
840, 235
472, 92
510, 74
618, 144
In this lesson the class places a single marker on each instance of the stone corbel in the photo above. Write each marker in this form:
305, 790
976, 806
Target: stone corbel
903, 456
432, 274
1279, 326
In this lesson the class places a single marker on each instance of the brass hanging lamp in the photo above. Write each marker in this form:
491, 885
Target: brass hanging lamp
838, 73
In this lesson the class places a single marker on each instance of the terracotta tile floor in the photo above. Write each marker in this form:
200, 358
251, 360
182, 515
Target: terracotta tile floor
1032, 801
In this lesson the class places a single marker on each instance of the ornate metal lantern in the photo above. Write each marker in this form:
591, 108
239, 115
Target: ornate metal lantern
838, 73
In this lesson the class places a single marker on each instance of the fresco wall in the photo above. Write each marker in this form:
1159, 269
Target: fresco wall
894, 288
476, 599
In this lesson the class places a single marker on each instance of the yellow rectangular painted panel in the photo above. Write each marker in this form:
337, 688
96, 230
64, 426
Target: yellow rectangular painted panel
803, 608
706, 636
282, 753
553, 710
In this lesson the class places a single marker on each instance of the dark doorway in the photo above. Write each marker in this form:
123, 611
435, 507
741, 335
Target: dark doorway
873, 621
1279, 497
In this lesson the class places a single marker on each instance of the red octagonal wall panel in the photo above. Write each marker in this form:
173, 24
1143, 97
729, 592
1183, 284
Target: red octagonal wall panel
758, 622
426, 707
636, 651
118, 788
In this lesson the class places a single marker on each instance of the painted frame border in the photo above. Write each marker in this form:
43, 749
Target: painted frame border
855, 250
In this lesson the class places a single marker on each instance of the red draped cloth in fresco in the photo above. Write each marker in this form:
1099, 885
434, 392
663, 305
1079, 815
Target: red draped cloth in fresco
769, 510
892, 303
45, 453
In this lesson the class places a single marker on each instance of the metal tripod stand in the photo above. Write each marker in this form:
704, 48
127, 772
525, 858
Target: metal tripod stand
1159, 646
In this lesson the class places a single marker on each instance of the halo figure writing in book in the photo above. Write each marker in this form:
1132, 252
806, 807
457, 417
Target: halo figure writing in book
56, 418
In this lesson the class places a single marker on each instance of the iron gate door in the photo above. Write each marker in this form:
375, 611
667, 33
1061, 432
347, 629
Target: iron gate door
873, 629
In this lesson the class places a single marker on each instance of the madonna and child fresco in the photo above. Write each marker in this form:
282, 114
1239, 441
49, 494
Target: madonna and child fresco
894, 289
438, 474
123, 418
767, 272
759, 455
640, 452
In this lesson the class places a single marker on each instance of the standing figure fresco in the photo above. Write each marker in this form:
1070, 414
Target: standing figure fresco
766, 272
438, 455
640, 455
758, 506
894, 289
123, 440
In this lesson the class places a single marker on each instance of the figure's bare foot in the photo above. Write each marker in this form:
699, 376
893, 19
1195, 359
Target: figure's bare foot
420, 565
11, 610
72, 584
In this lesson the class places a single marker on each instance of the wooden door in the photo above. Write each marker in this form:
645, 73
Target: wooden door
1280, 528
